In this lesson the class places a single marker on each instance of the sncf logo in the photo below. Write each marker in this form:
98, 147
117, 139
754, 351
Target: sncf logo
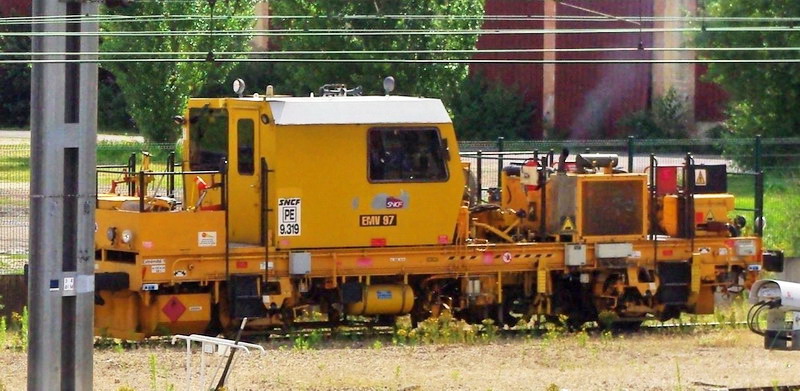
390, 201
394, 203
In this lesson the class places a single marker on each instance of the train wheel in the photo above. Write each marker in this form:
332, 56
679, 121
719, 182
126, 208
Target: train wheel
418, 312
669, 312
220, 322
215, 324
501, 315
287, 318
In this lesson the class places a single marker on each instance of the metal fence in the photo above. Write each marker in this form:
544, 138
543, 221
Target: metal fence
15, 191
775, 156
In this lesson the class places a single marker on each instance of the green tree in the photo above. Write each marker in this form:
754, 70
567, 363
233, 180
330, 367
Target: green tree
156, 91
15, 94
435, 80
485, 111
763, 97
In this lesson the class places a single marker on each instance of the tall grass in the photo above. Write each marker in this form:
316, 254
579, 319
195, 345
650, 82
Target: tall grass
444, 329
14, 333
781, 202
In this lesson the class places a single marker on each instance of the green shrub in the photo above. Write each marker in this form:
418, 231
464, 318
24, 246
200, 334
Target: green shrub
309, 341
667, 118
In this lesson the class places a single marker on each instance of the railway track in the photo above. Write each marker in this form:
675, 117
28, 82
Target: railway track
366, 329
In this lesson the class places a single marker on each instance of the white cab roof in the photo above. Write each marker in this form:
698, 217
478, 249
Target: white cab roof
337, 110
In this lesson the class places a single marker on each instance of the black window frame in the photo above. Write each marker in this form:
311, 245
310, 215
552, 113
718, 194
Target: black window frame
438, 151
200, 158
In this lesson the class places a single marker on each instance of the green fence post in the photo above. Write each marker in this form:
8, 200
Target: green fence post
758, 223
500, 160
757, 154
479, 175
630, 153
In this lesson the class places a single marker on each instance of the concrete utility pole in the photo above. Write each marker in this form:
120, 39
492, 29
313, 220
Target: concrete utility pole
549, 70
63, 142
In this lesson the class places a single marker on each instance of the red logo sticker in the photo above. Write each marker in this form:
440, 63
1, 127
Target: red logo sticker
666, 253
488, 257
444, 239
378, 242
241, 264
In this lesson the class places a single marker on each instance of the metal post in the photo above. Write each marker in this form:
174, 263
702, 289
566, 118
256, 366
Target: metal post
759, 204
63, 144
171, 178
131, 170
479, 176
757, 154
631, 152
759, 188
500, 148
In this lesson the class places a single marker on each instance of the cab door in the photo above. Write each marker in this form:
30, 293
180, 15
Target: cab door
244, 173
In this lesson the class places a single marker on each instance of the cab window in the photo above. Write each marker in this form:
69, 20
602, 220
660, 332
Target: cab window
245, 143
405, 155
208, 138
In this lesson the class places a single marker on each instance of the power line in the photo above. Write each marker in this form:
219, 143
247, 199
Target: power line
412, 61
412, 52
409, 32
566, 18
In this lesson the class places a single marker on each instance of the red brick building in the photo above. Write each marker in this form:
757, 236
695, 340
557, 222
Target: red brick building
15, 8
587, 100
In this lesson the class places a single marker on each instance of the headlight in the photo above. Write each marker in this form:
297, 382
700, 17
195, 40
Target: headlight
111, 234
127, 236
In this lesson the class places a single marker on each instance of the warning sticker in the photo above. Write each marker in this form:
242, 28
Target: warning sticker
700, 176
289, 216
153, 261
207, 239
158, 269
507, 258
567, 225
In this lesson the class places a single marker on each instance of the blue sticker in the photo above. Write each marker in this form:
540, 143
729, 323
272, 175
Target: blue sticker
53, 285
384, 295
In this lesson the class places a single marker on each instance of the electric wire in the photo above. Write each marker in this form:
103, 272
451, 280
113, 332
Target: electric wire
402, 52
410, 61
395, 32
93, 18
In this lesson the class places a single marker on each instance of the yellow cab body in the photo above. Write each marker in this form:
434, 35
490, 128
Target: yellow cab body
336, 171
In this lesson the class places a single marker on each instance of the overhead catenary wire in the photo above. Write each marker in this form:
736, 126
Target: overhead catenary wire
409, 52
395, 32
111, 18
413, 61
327, 56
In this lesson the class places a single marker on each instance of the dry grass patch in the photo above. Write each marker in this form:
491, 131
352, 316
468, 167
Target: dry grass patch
644, 361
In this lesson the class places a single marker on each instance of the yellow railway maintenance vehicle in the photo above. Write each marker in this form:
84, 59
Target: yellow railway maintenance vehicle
359, 206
